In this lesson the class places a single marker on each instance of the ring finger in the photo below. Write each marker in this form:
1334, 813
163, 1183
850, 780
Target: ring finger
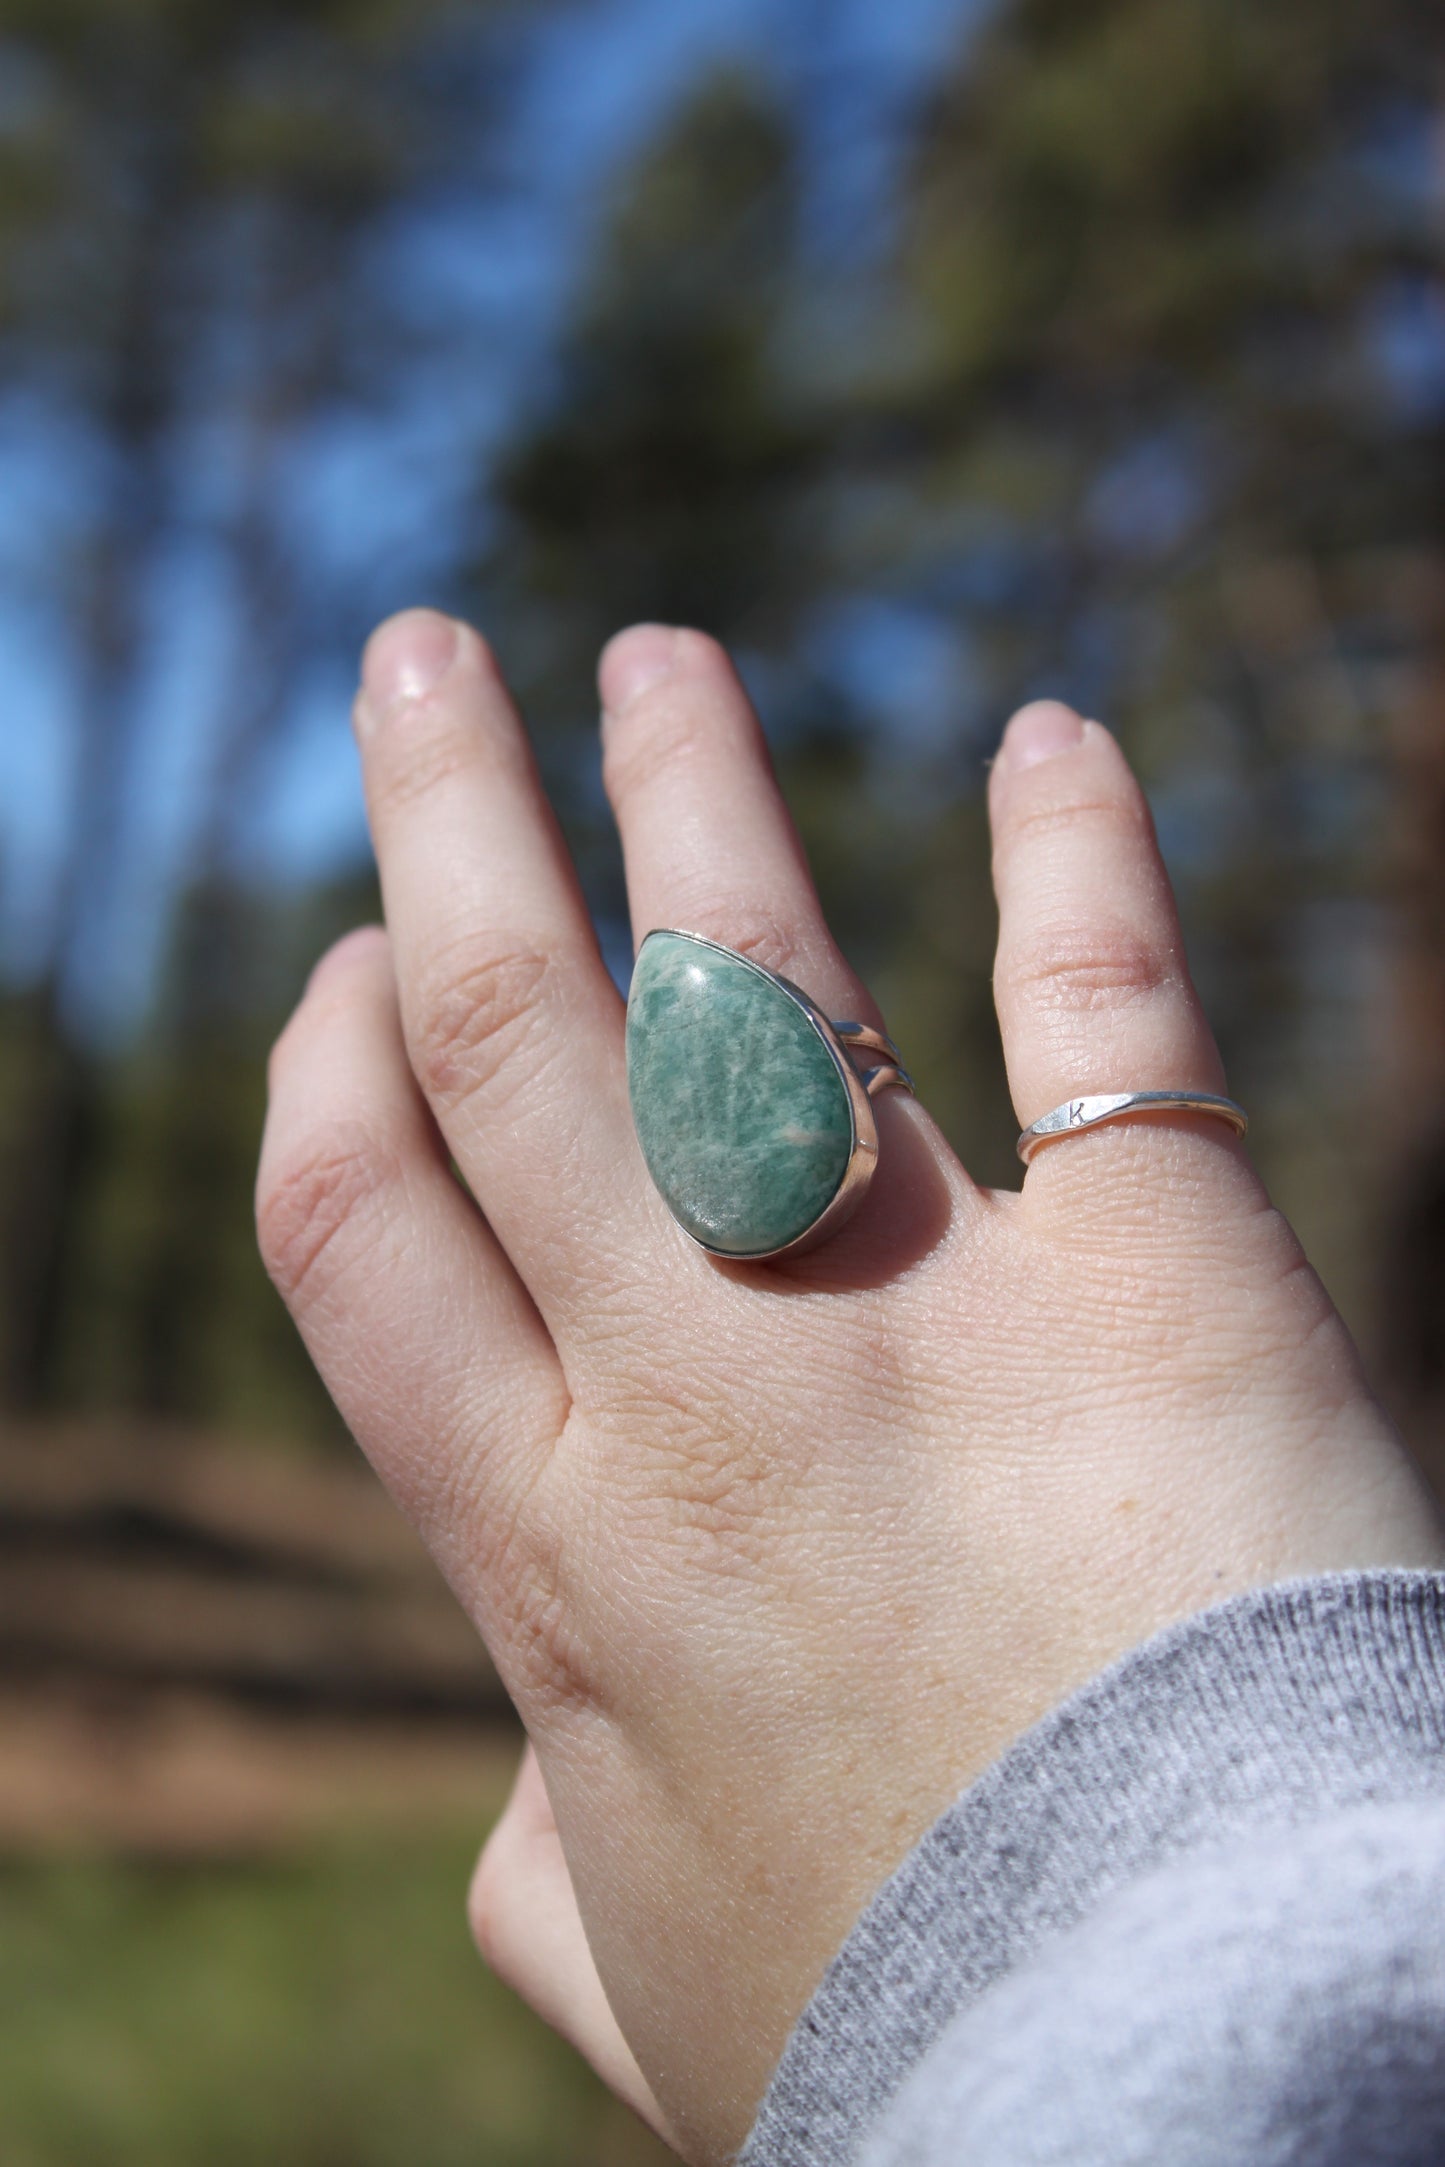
1093, 990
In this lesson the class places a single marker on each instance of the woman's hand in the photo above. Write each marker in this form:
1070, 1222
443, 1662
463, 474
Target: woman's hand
775, 1558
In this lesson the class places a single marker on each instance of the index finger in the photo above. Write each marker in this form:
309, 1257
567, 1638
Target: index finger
514, 1028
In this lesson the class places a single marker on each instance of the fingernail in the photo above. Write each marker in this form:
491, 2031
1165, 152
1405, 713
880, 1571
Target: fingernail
408, 657
1039, 731
638, 658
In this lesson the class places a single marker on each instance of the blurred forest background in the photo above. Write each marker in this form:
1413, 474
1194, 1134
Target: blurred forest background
933, 356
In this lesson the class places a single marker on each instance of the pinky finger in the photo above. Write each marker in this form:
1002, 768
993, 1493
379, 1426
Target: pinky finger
525, 1921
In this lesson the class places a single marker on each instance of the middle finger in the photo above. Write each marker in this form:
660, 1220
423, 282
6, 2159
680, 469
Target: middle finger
709, 843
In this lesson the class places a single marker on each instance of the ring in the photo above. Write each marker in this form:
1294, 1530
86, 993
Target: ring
754, 1121
1078, 1114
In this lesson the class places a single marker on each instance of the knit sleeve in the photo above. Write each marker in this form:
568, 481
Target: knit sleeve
1196, 1915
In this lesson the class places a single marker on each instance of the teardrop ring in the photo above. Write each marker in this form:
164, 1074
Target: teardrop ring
753, 1116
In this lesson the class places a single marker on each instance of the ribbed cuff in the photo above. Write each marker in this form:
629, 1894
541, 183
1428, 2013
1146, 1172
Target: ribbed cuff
1266, 1713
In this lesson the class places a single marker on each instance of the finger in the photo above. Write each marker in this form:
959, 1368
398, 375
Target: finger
425, 1337
709, 843
526, 1923
1093, 990
710, 848
513, 1026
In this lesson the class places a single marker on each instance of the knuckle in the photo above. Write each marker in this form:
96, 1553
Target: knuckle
414, 755
556, 1675
520, 1550
634, 758
435, 740
738, 923
764, 939
667, 729
312, 1215
1120, 815
474, 1015
1100, 967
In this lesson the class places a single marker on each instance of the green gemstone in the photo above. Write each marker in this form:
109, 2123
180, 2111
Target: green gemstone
743, 1117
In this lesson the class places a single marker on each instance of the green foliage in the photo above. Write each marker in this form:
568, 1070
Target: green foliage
326, 2011
1109, 416
1118, 385
665, 481
1142, 249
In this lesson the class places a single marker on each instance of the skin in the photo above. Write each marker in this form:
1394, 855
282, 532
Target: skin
774, 1559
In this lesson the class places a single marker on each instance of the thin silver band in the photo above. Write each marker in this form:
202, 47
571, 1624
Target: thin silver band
1087, 1113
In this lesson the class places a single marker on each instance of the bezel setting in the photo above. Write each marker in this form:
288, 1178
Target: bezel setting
862, 1158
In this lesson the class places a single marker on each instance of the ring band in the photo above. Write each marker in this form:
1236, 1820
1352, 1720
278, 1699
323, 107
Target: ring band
753, 1109
1076, 1115
890, 1074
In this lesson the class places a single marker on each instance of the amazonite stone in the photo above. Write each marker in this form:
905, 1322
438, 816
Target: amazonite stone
742, 1116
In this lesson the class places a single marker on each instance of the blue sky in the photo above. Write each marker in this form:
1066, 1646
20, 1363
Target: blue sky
482, 266
472, 277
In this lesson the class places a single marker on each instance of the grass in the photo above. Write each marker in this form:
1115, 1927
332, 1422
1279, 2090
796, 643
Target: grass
325, 2011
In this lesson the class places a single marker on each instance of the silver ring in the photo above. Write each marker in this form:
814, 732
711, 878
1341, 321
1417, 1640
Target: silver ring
754, 1118
1076, 1115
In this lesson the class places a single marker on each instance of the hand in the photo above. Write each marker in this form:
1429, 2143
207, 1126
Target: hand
528, 1927
775, 1558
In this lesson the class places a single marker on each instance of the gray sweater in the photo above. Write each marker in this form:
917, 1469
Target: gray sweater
1194, 1918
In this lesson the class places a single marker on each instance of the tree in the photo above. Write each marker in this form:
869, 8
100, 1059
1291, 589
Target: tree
1142, 410
182, 201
